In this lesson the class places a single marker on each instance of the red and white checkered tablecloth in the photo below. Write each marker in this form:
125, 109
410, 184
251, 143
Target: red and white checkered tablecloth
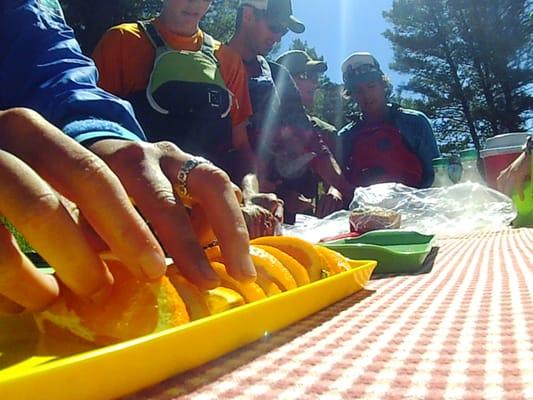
462, 331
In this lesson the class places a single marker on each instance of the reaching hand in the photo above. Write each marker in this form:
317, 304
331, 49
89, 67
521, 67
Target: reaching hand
149, 172
38, 165
515, 176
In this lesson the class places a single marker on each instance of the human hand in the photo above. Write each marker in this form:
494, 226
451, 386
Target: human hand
515, 176
260, 221
329, 203
38, 165
149, 172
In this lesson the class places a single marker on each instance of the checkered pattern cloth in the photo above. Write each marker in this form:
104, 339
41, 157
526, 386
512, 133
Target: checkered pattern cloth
463, 330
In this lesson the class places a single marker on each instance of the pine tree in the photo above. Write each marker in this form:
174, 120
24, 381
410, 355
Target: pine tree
470, 62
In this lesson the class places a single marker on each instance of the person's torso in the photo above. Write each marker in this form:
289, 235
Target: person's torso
380, 154
186, 100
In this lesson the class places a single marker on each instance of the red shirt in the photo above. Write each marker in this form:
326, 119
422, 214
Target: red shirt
379, 154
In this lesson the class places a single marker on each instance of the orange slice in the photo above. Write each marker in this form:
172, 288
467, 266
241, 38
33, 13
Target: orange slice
302, 251
297, 270
265, 263
250, 291
134, 308
222, 299
194, 298
334, 262
267, 284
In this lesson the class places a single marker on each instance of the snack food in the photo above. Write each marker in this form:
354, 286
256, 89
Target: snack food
370, 219
135, 308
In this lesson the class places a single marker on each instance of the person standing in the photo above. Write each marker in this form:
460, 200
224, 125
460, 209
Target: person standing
280, 132
387, 143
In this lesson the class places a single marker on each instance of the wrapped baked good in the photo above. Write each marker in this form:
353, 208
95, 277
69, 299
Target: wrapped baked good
370, 219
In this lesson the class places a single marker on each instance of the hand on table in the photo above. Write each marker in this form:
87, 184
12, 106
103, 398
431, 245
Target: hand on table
149, 173
38, 165
330, 202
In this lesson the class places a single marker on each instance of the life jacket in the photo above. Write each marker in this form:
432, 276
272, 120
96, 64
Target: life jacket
380, 154
186, 100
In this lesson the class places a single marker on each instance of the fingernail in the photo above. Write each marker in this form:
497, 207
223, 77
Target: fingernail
248, 270
153, 264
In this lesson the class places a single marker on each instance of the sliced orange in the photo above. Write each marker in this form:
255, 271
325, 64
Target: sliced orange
302, 251
250, 291
266, 263
297, 270
334, 262
194, 298
268, 285
134, 308
221, 299
214, 254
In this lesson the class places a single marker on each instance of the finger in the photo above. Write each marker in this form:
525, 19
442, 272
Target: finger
21, 285
34, 209
85, 179
201, 226
212, 189
9, 307
155, 198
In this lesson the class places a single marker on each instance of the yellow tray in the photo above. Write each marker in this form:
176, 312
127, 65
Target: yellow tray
34, 367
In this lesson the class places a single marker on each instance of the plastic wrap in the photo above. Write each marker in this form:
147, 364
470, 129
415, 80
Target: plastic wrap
447, 211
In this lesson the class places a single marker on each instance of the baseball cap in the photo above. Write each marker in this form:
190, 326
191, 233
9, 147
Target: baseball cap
360, 67
279, 11
298, 61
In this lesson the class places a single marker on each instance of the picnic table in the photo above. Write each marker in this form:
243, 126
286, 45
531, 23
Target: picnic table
461, 329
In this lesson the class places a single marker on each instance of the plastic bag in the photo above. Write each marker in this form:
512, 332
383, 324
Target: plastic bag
447, 211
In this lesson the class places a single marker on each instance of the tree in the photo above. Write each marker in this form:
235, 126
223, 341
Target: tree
90, 19
470, 63
219, 21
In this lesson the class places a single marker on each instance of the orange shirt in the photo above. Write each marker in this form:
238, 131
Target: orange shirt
125, 58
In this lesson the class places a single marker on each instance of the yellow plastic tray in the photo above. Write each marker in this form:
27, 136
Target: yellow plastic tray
33, 367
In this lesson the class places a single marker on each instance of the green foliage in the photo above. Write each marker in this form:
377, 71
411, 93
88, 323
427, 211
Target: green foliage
470, 62
219, 21
90, 19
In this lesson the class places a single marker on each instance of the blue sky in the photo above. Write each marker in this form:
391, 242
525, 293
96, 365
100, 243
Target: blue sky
337, 28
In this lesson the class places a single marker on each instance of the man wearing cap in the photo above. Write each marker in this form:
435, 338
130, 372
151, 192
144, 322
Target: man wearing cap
279, 129
305, 71
387, 143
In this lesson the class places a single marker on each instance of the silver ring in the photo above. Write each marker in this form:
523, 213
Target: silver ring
183, 174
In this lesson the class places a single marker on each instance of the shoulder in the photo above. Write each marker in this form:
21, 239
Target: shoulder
227, 55
409, 115
130, 32
349, 129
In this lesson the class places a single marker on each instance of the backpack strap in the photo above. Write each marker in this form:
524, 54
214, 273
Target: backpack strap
208, 47
154, 37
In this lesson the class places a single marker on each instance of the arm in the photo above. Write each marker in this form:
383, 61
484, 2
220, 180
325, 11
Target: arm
51, 75
427, 151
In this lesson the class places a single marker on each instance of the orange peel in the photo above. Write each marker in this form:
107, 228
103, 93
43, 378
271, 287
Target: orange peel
304, 252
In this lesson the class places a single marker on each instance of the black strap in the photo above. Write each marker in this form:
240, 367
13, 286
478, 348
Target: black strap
208, 47
152, 34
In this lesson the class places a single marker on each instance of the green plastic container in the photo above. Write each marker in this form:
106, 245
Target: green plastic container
395, 251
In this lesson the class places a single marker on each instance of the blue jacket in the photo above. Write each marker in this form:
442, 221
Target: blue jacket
42, 68
416, 131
